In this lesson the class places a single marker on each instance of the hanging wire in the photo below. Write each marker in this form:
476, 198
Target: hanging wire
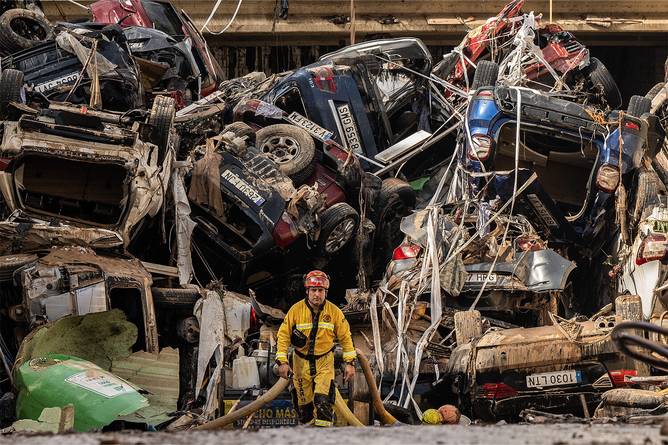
213, 12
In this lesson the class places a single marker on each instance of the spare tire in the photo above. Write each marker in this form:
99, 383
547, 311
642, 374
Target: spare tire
601, 80
486, 74
290, 147
22, 29
161, 120
175, 297
11, 90
338, 225
639, 105
395, 200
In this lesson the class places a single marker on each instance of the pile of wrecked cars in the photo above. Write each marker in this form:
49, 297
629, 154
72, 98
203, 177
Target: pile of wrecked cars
487, 220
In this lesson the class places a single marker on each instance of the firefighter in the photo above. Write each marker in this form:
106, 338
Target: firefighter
312, 326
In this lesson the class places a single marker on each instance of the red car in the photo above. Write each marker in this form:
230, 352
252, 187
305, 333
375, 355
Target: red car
163, 16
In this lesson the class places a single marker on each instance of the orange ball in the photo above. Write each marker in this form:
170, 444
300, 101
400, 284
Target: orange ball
450, 414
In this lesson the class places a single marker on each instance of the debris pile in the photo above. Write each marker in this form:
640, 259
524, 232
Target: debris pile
490, 219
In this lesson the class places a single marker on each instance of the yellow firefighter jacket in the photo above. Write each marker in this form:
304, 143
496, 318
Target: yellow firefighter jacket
330, 326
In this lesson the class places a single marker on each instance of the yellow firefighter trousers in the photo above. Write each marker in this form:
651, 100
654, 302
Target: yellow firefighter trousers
314, 384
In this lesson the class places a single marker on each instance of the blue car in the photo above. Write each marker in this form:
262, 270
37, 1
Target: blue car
574, 152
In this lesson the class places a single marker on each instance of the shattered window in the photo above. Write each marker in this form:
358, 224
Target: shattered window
291, 101
164, 18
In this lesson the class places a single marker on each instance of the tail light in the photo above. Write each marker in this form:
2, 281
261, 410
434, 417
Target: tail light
631, 126
607, 178
619, 377
253, 320
652, 248
485, 94
497, 391
481, 147
406, 251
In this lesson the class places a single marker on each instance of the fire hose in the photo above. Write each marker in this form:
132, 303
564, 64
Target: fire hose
339, 405
629, 343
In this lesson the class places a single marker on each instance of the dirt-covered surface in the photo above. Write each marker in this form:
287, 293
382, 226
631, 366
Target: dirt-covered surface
496, 434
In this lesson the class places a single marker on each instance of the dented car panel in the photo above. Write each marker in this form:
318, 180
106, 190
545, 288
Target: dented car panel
77, 281
84, 177
506, 371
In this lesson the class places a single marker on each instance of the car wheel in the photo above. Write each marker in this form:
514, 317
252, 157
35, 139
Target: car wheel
395, 200
338, 225
240, 129
175, 297
11, 90
638, 105
22, 29
161, 120
486, 74
602, 80
647, 191
290, 147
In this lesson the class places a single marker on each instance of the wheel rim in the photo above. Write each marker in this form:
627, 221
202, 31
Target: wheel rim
281, 149
341, 234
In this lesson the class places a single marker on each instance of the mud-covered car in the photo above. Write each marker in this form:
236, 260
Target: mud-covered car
86, 168
514, 279
163, 16
506, 371
372, 98
254, 225
54, 70
45, 285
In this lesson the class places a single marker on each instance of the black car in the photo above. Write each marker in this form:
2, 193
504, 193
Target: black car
55, 71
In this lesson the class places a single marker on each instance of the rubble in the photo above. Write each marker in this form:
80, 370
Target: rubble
495, 221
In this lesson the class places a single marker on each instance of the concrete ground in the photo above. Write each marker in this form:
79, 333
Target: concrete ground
559, 434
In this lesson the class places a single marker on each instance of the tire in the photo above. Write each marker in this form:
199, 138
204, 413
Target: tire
22, 29
161, 120
338, 225
651, 94
400, 413
290, 147
647, 191
486, 74
9, 264
176, 298
395, 200
601, 80
638, 105
240, 129
11, 90
446, 66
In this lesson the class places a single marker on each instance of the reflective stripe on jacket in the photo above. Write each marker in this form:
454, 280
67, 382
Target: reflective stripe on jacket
331, 326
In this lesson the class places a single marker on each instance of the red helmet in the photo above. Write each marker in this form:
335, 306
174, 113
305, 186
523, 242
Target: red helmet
316, 278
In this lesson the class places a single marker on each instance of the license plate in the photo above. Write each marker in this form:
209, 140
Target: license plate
313, 129
245, 188
51, 84
557, 378
349, 127
479, 278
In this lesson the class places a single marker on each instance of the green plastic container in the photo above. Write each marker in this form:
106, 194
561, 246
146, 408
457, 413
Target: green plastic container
56, 380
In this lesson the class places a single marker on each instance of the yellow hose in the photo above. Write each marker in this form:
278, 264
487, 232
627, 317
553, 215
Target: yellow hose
340, 406
344, 412
385, 417
249, 409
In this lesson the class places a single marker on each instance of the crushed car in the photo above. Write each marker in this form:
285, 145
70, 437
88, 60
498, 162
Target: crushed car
87, 168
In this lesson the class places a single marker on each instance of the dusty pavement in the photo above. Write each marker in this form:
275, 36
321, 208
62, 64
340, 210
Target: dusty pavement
496, 434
